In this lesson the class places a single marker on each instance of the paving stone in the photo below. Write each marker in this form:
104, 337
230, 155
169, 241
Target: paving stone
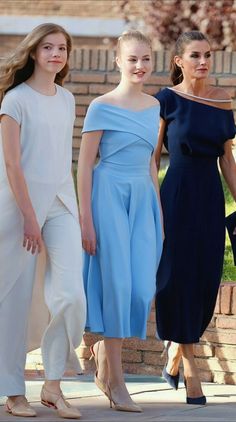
158, 401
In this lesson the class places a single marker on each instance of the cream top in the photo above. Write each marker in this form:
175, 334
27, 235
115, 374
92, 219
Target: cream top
46, 131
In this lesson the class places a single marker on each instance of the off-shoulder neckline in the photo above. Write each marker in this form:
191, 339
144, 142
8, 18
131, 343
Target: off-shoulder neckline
127, 109
199, 102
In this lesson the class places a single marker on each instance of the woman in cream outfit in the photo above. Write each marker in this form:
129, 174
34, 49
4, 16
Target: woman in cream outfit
38, 215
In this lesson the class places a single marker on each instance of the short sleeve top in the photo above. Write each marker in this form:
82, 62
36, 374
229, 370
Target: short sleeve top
194, 128
46, 130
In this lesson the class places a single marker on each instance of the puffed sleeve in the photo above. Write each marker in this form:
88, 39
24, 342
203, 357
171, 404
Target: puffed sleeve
12, 107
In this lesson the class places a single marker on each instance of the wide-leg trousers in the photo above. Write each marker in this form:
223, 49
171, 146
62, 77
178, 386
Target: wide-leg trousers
64, 296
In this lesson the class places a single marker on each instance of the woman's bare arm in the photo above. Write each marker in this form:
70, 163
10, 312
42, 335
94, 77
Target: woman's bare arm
228, 168
160, 143
154, 174
12, 155
87, 156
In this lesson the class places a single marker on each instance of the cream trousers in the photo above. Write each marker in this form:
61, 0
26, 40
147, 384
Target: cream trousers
64, 296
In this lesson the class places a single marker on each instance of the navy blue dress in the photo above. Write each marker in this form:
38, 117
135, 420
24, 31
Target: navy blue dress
192, 198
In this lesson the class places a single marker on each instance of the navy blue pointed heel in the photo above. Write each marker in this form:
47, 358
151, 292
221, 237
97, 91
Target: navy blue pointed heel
173, 380
201, 401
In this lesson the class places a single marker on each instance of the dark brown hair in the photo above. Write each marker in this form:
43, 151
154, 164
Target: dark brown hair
176, 74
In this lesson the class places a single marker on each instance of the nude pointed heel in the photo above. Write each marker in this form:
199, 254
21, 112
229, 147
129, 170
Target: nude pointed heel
94, 355
125, 407
122, 407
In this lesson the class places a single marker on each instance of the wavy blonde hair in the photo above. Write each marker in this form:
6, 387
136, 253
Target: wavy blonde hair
19, 66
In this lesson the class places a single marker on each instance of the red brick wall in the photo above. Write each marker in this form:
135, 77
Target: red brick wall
9, 42
93, 73
75, 8
106, 9
219, 360
215, 354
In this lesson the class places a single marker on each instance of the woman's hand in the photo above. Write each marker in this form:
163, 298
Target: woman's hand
12, 156
89, 241
87, 157
32, 235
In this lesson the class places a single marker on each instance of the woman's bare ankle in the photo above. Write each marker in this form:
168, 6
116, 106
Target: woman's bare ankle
102, 369
173, 359
52, 386
193, 386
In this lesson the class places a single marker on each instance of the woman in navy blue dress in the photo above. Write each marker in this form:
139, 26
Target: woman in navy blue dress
197, 128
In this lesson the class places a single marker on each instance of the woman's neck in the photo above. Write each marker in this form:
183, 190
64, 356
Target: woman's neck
126, 89
43, 83
200, 88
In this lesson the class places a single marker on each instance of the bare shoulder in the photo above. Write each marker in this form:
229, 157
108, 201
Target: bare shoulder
149, 100
223, 98
218, 93
106, 98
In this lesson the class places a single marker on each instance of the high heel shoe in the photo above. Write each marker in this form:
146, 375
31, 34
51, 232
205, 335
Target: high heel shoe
173, 380
94, 355
194, 400
123, 407
58, 402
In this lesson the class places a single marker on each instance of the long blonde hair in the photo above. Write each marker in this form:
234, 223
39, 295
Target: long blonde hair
19, 66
